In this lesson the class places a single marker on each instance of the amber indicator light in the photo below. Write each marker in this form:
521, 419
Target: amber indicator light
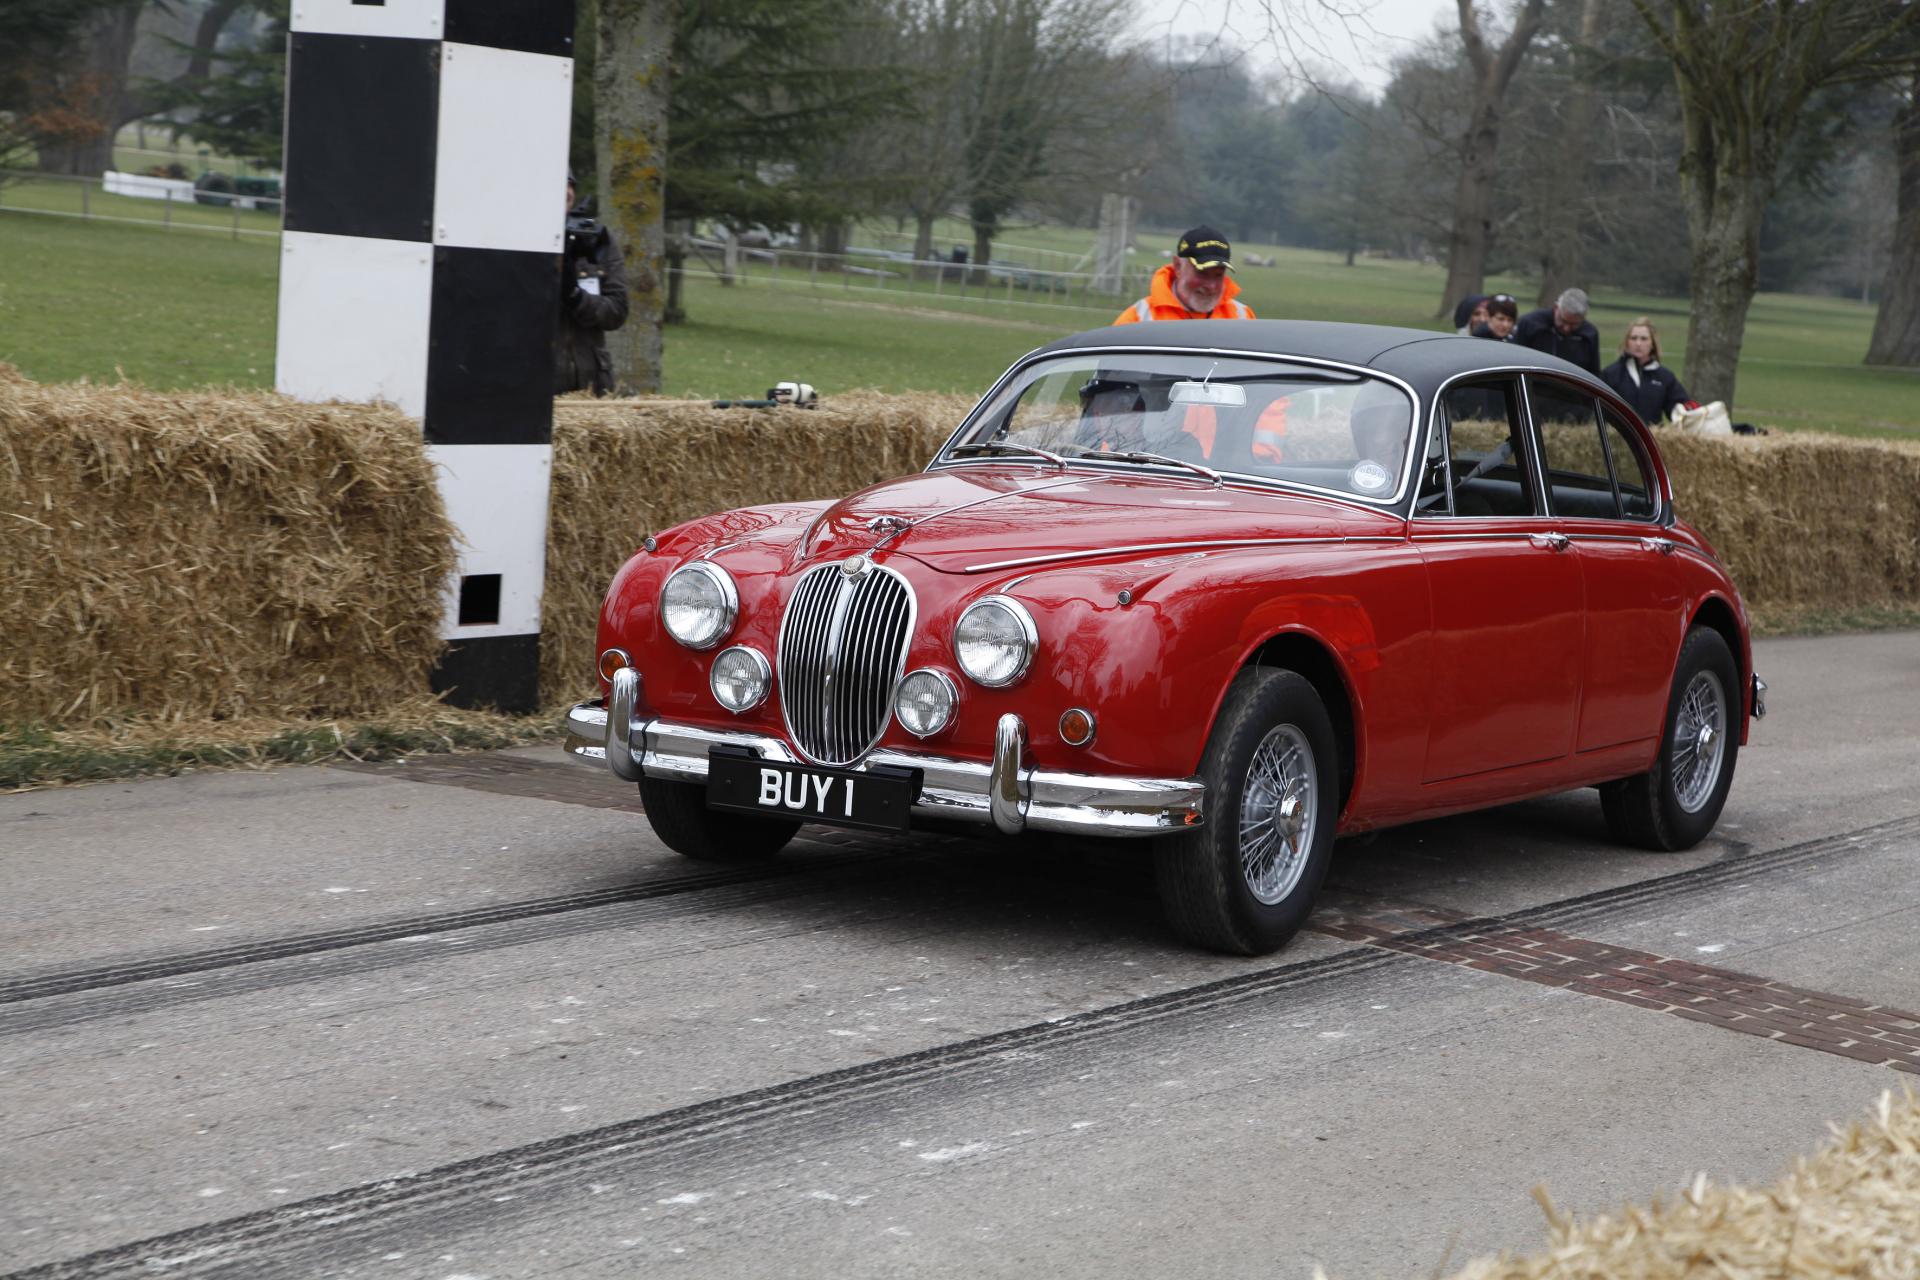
1076, 727
611, 661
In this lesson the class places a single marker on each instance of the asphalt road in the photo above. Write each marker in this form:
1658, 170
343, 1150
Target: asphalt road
466, 1018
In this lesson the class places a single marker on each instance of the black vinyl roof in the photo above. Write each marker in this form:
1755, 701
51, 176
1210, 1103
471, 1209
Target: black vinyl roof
1420, 357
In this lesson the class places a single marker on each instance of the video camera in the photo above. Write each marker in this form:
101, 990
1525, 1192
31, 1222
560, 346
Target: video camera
583, 234
798, 395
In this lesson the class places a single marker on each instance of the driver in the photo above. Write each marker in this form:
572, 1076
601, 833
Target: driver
1113, 414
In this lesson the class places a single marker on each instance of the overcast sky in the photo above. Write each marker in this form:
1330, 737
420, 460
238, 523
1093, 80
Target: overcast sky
1287, 32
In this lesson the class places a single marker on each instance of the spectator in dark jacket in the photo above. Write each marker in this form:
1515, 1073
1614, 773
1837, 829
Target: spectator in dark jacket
593, 301
1562, 330
1639, 377
1470, 313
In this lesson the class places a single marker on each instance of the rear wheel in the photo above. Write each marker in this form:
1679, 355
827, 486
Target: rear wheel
1675, 804
678, 814
1245, 882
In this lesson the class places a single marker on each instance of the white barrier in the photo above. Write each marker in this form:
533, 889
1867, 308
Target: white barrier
148, 187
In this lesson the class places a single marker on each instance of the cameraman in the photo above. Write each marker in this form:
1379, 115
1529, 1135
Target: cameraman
593, 300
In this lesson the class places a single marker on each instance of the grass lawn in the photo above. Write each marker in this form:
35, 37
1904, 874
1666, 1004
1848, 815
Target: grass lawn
191, 308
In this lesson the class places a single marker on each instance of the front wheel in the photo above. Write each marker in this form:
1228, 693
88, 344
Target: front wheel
1673, 805
1245, 881
678, 814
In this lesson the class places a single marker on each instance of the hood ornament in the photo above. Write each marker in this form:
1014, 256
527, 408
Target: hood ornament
889, 524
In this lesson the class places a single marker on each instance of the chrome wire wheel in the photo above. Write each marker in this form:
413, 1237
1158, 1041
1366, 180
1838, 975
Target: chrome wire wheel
1278, 816
1699, 741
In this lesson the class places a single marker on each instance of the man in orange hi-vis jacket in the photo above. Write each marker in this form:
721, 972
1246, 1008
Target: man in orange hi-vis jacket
1195, 286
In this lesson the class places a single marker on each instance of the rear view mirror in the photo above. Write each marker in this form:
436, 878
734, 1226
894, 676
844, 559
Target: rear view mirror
1226, 395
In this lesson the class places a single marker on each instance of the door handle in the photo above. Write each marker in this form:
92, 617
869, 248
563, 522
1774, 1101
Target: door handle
1550, 541
1665, 546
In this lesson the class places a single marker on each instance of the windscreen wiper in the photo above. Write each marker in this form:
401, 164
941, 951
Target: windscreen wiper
1138, 456
1004, 446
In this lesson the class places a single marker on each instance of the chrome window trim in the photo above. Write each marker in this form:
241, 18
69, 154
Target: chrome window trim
1229, 544
1027, 628
1524, 431
728, 593
1391, 502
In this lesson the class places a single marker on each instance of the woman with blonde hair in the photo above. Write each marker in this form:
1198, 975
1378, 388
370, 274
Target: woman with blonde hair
1640, 379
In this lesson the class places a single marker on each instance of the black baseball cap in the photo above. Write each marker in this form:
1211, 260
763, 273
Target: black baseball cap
1205, 247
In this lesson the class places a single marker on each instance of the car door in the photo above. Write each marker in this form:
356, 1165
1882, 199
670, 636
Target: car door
1504, 684
1601, 489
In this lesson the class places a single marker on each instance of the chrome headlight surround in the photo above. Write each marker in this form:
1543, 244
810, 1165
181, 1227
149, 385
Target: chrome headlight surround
1004, 627
756, 677
937, 685
723, 603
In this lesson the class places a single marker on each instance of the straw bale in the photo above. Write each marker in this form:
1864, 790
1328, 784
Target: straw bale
216, 553
625, 468
1804, 521
1852, 1209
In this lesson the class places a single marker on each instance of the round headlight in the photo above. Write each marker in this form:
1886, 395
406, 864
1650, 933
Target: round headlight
741, 678
924, 703
698, 604
995, 640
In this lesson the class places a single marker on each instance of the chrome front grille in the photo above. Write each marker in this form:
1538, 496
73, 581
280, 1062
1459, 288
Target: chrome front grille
842, 648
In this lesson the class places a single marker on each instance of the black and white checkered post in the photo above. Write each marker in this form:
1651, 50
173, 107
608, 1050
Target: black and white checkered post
426, 166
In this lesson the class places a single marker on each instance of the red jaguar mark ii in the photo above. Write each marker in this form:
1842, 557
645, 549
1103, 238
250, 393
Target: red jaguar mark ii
1232, 588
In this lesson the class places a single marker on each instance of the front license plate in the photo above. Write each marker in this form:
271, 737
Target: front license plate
879, 799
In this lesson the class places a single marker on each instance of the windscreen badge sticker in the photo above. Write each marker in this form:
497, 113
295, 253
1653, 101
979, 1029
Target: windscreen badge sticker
1369, 477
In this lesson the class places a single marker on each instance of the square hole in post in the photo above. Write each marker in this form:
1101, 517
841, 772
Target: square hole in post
480, 600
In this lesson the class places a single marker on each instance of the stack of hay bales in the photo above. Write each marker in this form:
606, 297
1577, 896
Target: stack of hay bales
210, 554
625, 468
1804, 521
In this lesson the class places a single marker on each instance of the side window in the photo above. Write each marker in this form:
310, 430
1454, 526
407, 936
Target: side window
1572, 452
1638, 498
1476, 466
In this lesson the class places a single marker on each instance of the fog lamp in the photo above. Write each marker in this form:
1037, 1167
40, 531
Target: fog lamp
741, 678
924, 703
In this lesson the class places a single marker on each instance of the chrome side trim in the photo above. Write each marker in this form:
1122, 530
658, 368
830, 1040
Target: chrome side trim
1230, 544
1005, 800
956, 790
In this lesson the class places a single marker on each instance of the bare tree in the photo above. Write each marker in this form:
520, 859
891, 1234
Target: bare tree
631, 86
1896, 329
96, 81
1493, 71
1745, 70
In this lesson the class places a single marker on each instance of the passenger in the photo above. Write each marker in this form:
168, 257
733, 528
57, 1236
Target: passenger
1641, 380
1562, 330
1502, 314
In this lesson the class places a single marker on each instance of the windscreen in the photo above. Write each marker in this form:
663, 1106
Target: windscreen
1258, 418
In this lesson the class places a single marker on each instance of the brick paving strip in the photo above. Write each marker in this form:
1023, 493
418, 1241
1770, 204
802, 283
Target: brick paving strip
1724, 998
1699, 993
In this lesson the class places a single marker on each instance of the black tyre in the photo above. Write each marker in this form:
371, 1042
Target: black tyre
1244, 882
678, 813
1674, 805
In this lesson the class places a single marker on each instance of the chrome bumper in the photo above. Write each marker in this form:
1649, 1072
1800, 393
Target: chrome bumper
1759, 697
1008, 793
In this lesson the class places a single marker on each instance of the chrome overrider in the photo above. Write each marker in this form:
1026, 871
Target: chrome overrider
1009, 793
